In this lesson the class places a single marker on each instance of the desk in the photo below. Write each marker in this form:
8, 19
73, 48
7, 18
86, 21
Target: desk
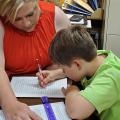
35, 101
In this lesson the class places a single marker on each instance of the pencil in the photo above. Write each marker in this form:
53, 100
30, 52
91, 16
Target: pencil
42, 83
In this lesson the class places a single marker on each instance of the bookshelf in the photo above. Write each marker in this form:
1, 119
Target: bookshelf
98, 14
97, 25
96, 21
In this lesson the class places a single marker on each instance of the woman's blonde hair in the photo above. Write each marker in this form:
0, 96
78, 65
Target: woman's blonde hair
9, 8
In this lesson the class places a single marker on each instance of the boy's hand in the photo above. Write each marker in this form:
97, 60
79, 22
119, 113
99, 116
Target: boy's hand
19, 111
71, 89
49, 75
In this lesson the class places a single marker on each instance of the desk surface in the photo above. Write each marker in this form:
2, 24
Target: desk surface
35, 101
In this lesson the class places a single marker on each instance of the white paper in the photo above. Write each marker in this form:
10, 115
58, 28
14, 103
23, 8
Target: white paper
29, 87
58, 108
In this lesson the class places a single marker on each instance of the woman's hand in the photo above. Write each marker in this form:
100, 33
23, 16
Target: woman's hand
50, 75
18, 111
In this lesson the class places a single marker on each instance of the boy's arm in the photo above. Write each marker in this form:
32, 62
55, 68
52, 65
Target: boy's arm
77, 106
61, 20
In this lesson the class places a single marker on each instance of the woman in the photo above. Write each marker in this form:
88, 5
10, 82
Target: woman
26, 31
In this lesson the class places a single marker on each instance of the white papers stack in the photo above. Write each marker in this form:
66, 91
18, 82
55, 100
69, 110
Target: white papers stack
29, 87
58, 108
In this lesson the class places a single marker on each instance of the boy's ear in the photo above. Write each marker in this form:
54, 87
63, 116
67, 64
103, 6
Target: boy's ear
77, 62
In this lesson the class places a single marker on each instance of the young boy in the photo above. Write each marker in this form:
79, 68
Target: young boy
99, 72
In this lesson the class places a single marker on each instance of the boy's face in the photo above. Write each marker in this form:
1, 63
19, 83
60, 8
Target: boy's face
75, 71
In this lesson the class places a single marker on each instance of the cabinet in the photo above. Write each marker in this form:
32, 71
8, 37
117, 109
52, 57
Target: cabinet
112, 26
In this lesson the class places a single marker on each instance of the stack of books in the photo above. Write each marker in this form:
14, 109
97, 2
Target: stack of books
83, 7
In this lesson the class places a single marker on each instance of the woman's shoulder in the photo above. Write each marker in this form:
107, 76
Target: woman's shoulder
1, 28
1, 35
46, 6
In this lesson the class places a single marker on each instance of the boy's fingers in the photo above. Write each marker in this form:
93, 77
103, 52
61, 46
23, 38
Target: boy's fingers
41, 81
39, 78
47, 80
37, 74
42, 84
64, 91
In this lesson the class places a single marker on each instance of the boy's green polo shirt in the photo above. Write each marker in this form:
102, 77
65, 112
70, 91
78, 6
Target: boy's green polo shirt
103, 89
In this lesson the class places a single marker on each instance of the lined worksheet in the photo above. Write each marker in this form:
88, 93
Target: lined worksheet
29, 87
58, 108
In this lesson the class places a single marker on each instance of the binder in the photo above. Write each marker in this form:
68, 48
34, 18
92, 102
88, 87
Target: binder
96, 3
92, 4
75, 6
67, 9
84, 5
75, 9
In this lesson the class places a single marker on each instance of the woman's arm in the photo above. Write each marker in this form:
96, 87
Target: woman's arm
61, 20
12, 108
5, 89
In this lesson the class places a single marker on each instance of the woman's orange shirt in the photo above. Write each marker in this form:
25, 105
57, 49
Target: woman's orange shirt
21, 49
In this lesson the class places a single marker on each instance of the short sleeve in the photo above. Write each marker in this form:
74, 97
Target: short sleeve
101, 93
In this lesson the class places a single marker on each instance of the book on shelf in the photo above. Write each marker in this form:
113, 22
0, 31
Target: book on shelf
84, 0
83, 7
72, 5
92, 4
72, 9
96, 2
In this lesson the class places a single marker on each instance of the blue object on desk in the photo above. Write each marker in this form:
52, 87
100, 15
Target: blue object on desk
48, 108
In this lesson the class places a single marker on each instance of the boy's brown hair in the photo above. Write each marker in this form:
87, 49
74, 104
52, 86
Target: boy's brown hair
70, 43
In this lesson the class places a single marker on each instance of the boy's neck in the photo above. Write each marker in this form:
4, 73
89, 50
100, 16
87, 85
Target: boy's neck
94, 65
